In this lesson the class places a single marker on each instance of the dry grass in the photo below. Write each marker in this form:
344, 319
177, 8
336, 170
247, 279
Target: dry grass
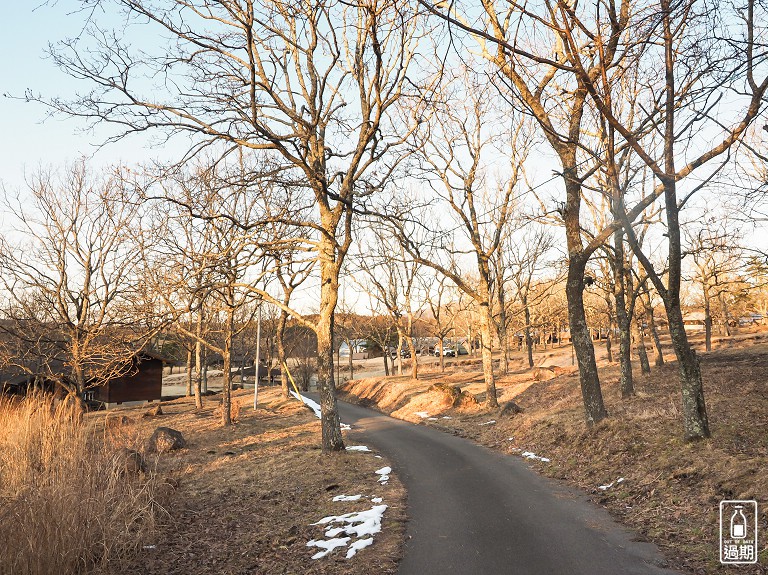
672, 489
67, 504
246, 495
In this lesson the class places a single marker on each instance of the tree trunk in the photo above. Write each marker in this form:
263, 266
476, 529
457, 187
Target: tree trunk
642, 353
695, 420
592, 394
654, 333
386, 364
503, 342
625, 348
623, 318
441, 342
281, 359
707, 320
205, 369
351, 364
189, 372
329, 293
199, 364
527, 331
399, 353
486, 335
414, 363
226, 386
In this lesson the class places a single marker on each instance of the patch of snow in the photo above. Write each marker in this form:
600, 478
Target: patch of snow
491, 422
510, 438
360, 524
328, 545
532, 455
432, 418
314, 406
383, 474
378, 457
347, 497
357, 545
422, 414
611, 484
447, 417
357, 448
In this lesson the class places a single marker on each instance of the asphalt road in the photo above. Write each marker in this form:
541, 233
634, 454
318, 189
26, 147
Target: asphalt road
475, 511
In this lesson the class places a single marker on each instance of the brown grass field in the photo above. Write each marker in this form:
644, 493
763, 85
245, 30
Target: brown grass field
236, 500
242, 499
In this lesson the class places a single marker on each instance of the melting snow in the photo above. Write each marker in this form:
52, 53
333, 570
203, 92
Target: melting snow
361, 525
347, 497
532, 455
447, 417
422, 414
606, 487
491, 422
357, 545
314, 406
328, 545
358, 527
384, 474
357, 448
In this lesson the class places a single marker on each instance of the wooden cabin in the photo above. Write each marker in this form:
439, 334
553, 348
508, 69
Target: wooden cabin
142, 381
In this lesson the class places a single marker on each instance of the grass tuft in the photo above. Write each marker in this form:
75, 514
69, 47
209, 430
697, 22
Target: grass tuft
67, 504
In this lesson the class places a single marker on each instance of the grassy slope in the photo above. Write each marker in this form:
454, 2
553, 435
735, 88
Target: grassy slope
246, 495
671, 490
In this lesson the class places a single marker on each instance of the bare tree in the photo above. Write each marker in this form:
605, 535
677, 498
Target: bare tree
526, 261
391, 279
71, 283
453, 149
207, 275
717, 264
311, 83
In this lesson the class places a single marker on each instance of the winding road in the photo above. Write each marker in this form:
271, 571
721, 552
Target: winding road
474, 511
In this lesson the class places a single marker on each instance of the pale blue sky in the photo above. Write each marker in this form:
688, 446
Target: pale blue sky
29, 138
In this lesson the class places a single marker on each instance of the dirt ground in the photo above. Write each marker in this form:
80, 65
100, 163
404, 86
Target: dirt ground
244, 498
671, 490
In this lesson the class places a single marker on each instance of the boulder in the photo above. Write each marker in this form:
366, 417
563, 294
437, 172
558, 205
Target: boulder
128, 462
454, 395
510, 408
165, 439
154, 411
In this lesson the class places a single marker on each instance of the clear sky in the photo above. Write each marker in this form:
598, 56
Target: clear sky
29, 137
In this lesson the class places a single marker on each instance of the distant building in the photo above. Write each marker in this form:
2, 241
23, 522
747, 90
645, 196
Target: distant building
139, 380
693, 321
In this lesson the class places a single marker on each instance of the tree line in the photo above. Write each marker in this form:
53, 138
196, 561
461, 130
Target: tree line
380, 137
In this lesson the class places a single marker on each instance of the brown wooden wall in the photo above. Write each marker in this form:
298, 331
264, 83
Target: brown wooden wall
146, 384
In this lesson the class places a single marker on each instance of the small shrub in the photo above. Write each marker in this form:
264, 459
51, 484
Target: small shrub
65, 506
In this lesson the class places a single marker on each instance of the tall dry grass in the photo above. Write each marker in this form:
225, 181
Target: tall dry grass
67, 503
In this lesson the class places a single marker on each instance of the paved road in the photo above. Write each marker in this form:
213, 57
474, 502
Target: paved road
475, 511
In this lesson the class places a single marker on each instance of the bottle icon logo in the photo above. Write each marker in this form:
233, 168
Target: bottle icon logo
738, 523
738, 532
